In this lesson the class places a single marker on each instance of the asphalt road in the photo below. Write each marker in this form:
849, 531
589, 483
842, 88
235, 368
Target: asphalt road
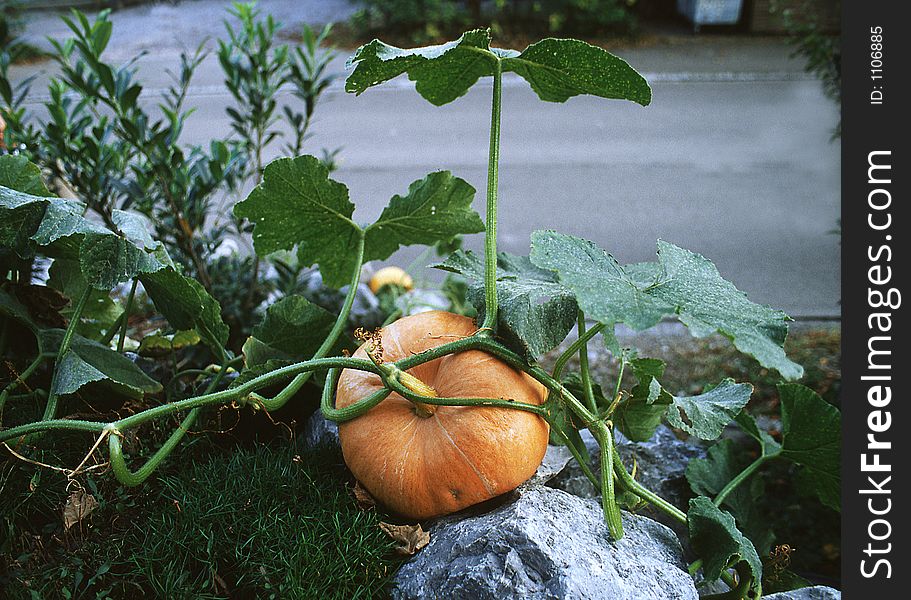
742, 172
733, 159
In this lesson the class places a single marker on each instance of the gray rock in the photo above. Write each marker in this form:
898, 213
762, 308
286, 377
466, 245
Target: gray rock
819, 592
661, 465
546, 544
320, 431
555, 460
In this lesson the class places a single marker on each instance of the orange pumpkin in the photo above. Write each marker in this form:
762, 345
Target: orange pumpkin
428, 466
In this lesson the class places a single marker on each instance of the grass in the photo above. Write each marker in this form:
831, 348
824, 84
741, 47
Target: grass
259, 522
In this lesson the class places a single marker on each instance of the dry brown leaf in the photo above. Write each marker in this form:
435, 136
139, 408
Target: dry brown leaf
409, 538
78, 506
364, 500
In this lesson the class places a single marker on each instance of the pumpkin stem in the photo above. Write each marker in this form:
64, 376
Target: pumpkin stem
420, 388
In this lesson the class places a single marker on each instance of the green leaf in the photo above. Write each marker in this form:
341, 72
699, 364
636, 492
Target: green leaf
603, 289
18, 174
811, 437
64, 227
747, 423
638, 415
135, 227
708, 476
707, 414
558, 69
293, 329
436, 209
298, 205
100, 311
535, 312
715, 538
706, 303
88, 362
20, 216
11, 308
158, 345
108, 259
441, 73
186, 305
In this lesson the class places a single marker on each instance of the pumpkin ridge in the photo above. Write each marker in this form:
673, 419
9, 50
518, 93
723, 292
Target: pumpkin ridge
467, 460
407, 450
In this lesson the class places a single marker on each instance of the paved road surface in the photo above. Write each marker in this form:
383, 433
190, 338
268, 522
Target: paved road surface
732, 159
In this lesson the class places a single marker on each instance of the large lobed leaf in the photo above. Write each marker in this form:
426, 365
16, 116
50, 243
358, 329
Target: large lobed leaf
297, 204
535, 312
705, 302
811, 437
704, 416
603, 289
556, 69
682, 283
436, 208
292, 329
88, 362
715, 538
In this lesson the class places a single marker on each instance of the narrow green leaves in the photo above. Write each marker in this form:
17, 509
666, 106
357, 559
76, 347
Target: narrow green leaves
715, 538
556, 69
535, 312
811, 437
297, 204
436, 208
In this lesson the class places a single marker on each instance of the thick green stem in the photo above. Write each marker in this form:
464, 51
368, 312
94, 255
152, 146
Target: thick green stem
131, 478
608, 499
740, 589
51, 424
51, 407
741, 477
340, 415
583, 367
126, 315
582, 460
490, 236
400, 389
645, 493
328, 344
573, 349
